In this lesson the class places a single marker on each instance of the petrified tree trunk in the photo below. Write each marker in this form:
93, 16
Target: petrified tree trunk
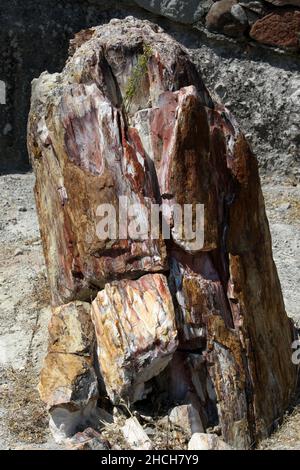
130, 116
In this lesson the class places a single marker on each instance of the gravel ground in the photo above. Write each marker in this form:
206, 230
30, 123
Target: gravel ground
24, 315
24, 310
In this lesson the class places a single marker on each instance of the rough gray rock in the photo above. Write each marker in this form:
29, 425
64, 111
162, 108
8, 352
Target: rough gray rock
265, 96
253, 9
256, 6
227, 17
135, 435
182, 11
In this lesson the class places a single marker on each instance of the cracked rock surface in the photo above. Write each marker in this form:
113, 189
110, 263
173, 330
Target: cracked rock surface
130, 116
136, 334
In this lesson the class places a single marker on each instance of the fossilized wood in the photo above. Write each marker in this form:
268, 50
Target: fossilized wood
171, 142
68, 385
68, 382
136, 334
71, 330
179, 132
86, 161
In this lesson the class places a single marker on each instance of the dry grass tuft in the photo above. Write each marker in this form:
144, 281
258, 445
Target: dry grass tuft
287, 437
27, 418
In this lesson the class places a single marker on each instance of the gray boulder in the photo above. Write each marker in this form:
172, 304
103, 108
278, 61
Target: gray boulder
182, 11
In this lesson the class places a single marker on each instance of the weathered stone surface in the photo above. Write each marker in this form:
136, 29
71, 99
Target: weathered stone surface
228, 17
256, 6
68, 383
135, 435
79, 260
71, 330
170, 132
254, 10
87, 138
280, 28
74, 162
136, 334
205, 321
215, 382
61, 378
212, 315
252, 253
201, 441
199, 294
183, 11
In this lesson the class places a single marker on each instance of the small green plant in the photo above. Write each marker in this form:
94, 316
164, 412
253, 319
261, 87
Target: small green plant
139, 71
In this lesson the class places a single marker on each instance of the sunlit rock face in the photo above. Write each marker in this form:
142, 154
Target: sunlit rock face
136, 334
130, 116
68, 383
71, 330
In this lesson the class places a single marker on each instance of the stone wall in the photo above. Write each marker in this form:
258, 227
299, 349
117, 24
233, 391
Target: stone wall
246, 50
